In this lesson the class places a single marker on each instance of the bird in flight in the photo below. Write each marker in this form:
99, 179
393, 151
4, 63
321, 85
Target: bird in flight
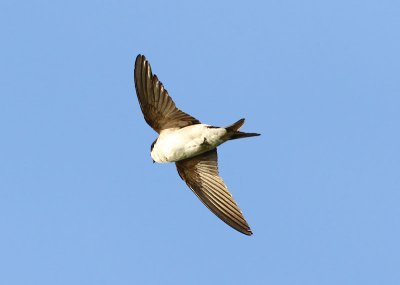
190, 144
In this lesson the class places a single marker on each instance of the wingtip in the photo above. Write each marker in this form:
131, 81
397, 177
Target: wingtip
248, 232
245, 231
139, 58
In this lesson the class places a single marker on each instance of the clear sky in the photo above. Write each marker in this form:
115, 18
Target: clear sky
81, 201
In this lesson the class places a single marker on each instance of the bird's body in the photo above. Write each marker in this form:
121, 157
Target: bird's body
190, 144
177, 144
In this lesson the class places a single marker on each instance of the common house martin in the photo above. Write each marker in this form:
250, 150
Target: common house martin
190, 144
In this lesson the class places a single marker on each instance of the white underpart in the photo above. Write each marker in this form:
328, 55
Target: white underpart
177, 144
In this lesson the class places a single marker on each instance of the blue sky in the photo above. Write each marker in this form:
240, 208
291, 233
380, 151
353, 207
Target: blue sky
81, 201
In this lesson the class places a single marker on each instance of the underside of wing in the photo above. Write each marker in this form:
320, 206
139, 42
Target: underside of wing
201, 175
158, 109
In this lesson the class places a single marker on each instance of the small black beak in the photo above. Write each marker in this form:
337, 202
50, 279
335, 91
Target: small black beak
153, 161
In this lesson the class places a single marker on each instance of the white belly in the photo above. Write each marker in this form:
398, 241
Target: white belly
175, 145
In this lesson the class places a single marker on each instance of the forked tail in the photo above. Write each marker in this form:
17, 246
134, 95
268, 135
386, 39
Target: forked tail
234, 133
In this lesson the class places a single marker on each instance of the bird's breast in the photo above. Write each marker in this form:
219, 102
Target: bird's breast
175, 145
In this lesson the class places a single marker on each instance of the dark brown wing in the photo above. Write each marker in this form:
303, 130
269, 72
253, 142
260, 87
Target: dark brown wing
158, 109
201, 174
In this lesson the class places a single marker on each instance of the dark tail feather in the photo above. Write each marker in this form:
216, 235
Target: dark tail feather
239, 135
235, 126
233, 131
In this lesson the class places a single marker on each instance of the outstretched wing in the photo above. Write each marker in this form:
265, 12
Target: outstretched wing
158, 109
201, 174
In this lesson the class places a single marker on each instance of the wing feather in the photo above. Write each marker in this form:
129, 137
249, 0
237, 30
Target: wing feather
201, 175
157, 106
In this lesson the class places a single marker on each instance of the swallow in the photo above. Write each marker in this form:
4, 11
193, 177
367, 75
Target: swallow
190, 144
